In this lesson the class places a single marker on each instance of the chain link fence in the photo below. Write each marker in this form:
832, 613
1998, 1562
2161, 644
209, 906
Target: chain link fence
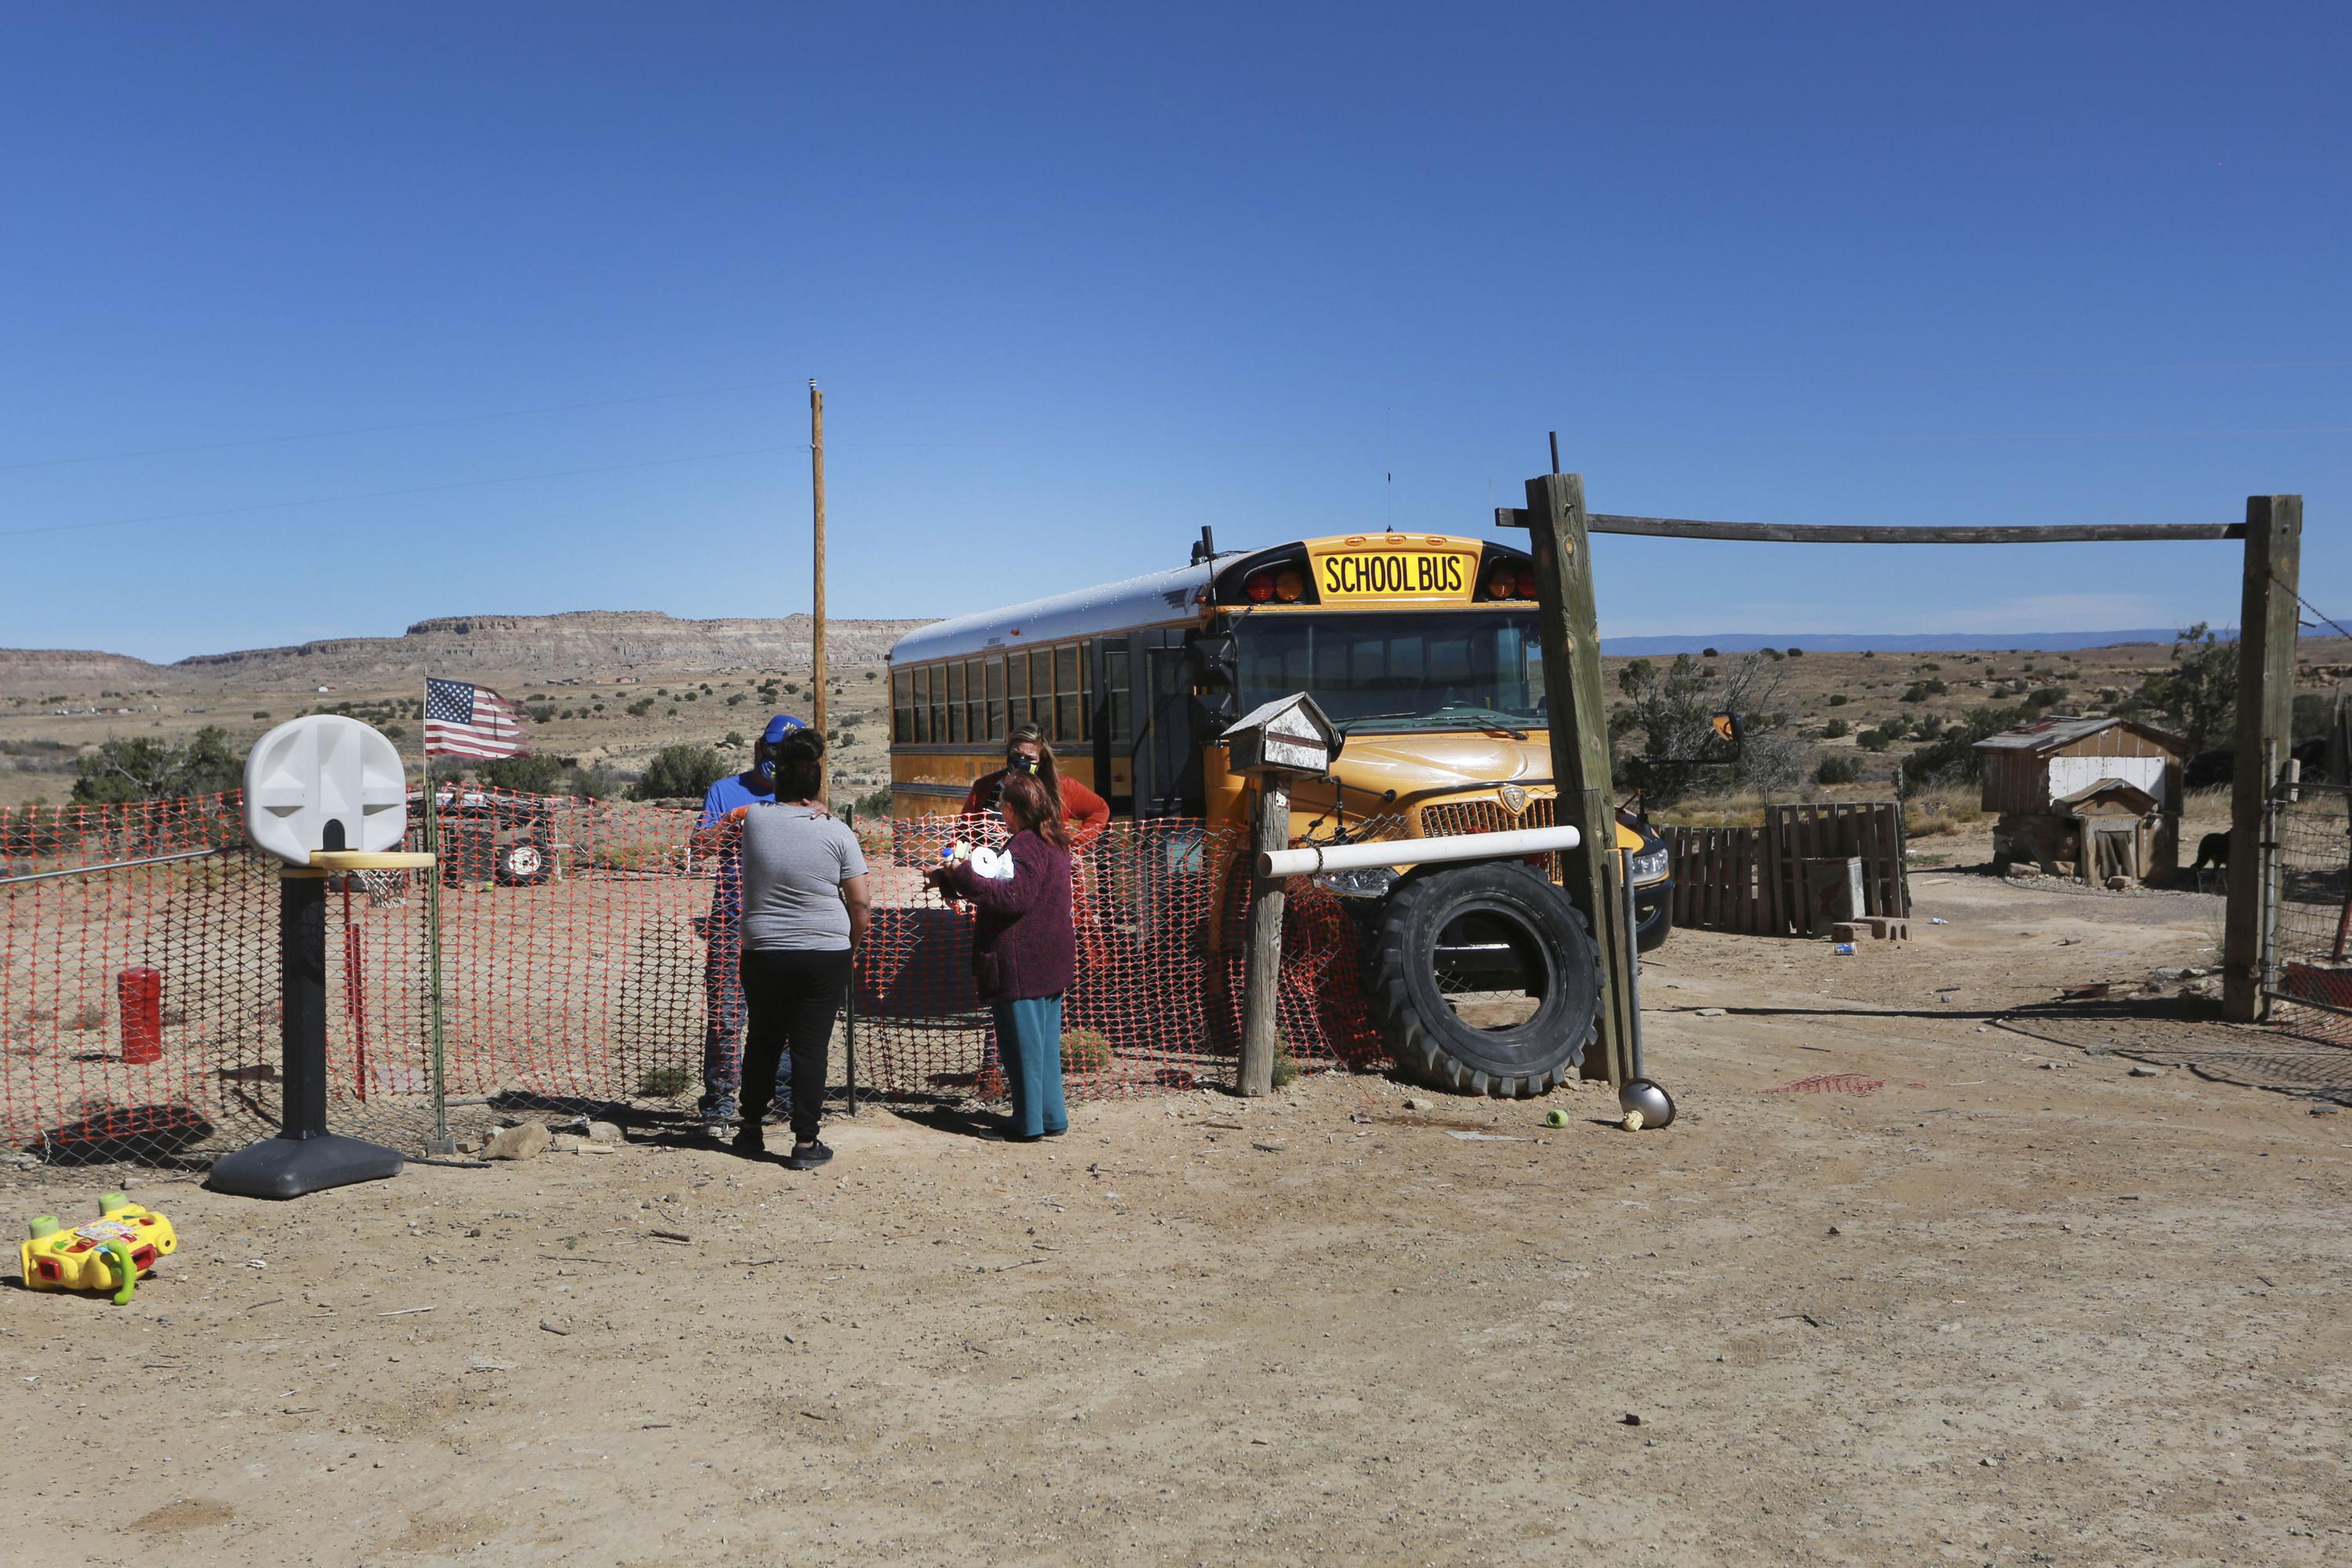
581, 947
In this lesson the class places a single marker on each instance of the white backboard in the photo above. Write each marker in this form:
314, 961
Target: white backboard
324, 781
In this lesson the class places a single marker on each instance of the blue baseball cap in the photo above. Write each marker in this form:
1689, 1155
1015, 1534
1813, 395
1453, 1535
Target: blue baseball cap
781, 725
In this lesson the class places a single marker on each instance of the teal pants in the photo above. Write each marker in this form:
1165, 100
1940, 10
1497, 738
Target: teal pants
1029, 1043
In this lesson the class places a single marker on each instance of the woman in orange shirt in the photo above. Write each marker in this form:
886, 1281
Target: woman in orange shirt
1025, 751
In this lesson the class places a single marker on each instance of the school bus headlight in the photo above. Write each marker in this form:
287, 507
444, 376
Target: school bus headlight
1649, 865
1369, 882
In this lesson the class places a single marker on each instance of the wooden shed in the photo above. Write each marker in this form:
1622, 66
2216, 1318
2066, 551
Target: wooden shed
2063, 785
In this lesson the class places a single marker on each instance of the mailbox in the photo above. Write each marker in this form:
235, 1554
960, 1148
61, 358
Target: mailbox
1289, 734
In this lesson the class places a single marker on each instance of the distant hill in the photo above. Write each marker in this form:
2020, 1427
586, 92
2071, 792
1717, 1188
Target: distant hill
25, 667
1931, 642
586, 642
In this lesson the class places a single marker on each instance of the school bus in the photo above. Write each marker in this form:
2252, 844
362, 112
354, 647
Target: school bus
1424, 648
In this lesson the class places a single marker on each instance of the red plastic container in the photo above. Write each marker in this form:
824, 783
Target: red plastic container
140, 993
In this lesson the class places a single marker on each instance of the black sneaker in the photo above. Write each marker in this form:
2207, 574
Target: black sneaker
750, 1140
807, 1156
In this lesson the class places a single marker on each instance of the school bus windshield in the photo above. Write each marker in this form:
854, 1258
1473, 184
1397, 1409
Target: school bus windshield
1407, 670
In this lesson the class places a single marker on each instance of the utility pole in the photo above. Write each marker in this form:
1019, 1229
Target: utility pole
2266, 632
816, 632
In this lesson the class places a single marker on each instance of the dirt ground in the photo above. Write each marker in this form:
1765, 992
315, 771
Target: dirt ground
2012, 1305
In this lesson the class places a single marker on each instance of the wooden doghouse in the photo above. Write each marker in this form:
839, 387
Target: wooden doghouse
2063, 787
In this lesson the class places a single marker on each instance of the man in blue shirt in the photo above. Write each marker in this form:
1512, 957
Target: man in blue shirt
722, 971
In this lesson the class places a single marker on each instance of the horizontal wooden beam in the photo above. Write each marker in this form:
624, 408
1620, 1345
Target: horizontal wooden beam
1873, 534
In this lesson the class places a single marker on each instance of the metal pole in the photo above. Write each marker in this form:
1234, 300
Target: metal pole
816, 488
849, 820
441, 1143
2268, 961
118, 864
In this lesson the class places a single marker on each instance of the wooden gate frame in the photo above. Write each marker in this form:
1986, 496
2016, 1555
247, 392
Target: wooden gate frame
1560, 535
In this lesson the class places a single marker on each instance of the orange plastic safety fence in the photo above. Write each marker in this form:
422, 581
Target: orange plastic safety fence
587, 956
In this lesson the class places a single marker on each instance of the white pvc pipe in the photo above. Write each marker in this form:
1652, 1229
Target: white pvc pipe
1418, 851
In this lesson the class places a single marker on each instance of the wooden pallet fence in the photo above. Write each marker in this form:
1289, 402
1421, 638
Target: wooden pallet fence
1717, 887
1750, 880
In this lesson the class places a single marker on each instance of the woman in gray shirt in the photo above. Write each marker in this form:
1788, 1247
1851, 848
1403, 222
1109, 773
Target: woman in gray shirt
805, 906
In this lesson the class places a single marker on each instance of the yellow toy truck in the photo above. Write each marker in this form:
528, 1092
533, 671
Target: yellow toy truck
108, 1253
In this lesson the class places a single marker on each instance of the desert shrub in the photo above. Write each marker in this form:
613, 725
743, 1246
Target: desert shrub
140, 767
640, 707
2048, 697
1921, 690
1839, 699
530, 775
1672, 710
541, 712
1284, 1070
1951, 758
1709, 653
261, 712
680, 772
1796, 653
1875, 739
1085, 1050
596, 782
663, 1083
1837, 770
1835, 727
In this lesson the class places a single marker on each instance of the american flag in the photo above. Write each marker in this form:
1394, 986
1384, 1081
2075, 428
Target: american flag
466, 721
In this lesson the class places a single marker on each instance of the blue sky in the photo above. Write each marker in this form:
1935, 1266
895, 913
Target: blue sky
1077, 281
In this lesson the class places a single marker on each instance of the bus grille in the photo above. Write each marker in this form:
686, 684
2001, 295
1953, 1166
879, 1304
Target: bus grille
1482, 816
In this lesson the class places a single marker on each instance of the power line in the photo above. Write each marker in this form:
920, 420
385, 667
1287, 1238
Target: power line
381, 429
384, 495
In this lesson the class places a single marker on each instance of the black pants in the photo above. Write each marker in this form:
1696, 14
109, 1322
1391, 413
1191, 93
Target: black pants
792, 995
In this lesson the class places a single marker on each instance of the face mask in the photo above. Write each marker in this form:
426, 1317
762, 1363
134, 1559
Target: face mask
1021, 764
767, 768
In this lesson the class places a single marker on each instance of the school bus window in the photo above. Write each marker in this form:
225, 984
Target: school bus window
1019, 711
955, 703
1122, 698
1067, 696
1041, 688
975, 711
938, 702
997, 698
922, 704
902, 705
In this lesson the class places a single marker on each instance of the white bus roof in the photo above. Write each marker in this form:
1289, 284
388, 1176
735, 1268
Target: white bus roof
1155, 599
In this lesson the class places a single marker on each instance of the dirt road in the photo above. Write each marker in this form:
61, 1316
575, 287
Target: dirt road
1987, 1311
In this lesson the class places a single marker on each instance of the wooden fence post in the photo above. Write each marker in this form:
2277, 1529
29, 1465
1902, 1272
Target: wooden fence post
1579, 722
1254, 1074
2266, 630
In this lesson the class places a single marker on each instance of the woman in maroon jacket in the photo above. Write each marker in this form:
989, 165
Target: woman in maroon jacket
1024, 952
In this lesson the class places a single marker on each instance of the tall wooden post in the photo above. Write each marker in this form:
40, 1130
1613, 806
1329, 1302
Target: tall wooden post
1254, 1076
1570, 627
2266, 631
816, 629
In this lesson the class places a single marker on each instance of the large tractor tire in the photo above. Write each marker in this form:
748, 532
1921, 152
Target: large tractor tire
1486, 980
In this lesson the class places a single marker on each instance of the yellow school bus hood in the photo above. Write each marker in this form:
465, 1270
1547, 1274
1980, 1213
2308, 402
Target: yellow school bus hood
1462, 764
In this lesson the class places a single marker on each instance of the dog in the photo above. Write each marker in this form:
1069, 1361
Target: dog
2213, 854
